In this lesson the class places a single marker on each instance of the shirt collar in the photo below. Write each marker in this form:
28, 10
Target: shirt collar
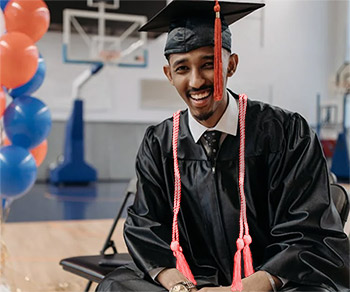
227, 123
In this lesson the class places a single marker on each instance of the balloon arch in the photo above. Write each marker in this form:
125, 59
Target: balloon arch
26, 120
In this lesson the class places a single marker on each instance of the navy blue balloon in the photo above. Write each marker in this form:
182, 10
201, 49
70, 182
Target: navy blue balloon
33, 84
17, 171
3, 4
27, 121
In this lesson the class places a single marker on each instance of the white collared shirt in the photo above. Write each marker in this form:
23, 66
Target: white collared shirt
227, 123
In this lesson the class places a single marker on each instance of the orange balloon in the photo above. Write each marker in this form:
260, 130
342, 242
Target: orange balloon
7, 142
18, 58
31, 17
2, 102
39, 152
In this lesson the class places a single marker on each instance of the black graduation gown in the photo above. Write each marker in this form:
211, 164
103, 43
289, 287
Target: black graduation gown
297, 233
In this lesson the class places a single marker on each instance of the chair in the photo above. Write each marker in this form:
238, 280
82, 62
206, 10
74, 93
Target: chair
341, 200
95, 267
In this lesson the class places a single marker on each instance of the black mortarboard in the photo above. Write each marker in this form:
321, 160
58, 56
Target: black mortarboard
190, 23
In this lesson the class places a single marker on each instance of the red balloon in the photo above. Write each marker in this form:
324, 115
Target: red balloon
31, 17
2, 102
39, 152
18, 58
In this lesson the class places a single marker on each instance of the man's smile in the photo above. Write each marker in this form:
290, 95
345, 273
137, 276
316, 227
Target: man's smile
200, 97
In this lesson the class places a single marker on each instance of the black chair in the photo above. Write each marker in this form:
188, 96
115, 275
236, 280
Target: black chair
341, 200
95, 267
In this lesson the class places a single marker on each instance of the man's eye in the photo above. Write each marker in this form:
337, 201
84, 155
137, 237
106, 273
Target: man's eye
209, 65
181, 69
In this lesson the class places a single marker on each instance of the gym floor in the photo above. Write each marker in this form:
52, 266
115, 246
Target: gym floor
51, 223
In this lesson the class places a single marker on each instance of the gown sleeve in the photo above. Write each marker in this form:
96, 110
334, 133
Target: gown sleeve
308, 245
147, 230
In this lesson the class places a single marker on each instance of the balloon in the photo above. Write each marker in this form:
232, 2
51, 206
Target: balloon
39, 152
2, 102
17, 171
6, 142
27, 121
4, 203
2, 23
3, 4
31, 17
7, 202
33, 84
18, 59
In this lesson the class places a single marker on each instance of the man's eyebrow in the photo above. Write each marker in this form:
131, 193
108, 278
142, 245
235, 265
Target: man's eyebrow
183, 60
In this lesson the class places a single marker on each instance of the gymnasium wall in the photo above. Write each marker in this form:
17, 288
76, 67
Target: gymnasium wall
288, 53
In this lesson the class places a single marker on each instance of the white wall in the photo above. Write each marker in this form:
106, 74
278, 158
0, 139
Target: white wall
302, 48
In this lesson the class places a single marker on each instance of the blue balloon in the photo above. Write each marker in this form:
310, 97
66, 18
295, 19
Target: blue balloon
33, 84
3, 203
17, 171
3, 4
27, 121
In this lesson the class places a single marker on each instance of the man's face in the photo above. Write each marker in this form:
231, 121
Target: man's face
192, 74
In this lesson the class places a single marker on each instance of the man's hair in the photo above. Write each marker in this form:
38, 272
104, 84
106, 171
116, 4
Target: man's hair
225, 52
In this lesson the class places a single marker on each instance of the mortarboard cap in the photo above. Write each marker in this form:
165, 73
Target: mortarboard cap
190, 23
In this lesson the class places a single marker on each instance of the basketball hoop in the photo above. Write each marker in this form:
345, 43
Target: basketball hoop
109, 56
114, 40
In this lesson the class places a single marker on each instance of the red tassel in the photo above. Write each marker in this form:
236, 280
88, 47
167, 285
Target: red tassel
181, 263
218, 81
237, 278
247, 256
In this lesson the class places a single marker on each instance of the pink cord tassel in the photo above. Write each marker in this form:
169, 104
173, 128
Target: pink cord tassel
247, 256
181, 263
237, 278
218, 80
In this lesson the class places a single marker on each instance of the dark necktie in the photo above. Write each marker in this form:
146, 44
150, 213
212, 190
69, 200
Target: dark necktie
212, 139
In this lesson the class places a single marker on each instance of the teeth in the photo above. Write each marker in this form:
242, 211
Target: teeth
200, 95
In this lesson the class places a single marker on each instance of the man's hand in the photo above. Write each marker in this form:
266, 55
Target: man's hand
169, 277
256, 282
215, 289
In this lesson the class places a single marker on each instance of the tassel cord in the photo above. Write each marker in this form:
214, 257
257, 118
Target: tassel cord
245, 240
181, 263
218, 79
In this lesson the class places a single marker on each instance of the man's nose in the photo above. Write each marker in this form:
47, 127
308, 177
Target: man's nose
196, 79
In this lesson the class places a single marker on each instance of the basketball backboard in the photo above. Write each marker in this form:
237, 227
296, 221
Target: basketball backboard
99, 36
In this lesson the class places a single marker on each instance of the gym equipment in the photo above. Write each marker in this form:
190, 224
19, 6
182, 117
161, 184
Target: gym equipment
341, 159
73, 169
115, 40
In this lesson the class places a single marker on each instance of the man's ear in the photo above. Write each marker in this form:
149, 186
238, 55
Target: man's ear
167, 72
232, 65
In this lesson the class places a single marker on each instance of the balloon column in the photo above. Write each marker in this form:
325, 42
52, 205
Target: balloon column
26, 120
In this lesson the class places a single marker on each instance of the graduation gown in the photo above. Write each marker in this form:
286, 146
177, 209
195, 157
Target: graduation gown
296, 230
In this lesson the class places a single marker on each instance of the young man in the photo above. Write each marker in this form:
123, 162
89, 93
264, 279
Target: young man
225, 178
